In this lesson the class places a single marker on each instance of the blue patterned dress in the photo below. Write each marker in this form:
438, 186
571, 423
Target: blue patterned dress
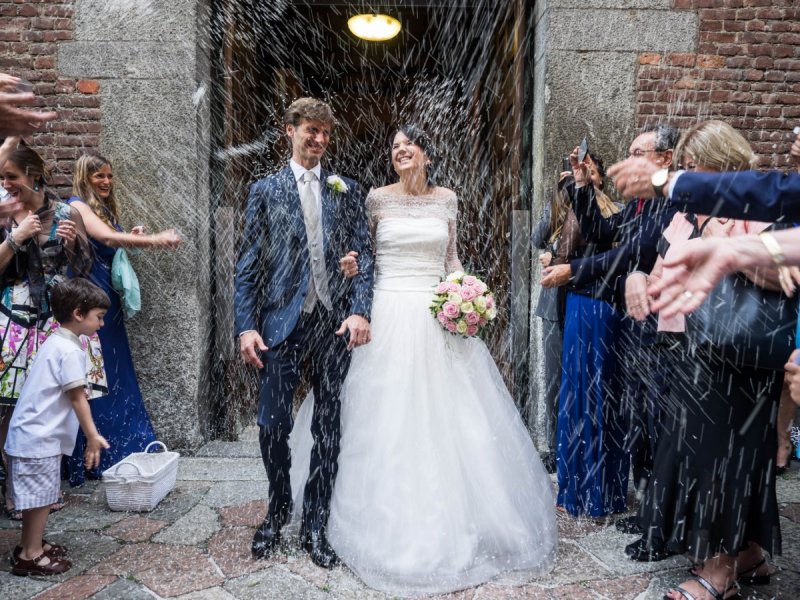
120, 416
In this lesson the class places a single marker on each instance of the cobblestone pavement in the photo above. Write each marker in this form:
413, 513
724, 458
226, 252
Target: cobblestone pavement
196, 546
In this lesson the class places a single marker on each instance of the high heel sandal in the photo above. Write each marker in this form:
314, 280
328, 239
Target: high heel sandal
754, 579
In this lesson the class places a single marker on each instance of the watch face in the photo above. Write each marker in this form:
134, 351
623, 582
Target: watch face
660, 177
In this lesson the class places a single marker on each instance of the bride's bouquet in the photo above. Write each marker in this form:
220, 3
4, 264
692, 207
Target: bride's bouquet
463, 304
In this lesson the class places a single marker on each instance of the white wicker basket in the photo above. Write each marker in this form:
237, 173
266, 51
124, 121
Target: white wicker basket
141, 480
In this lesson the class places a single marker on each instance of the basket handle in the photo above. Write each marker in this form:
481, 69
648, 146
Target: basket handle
163, 446
130, 464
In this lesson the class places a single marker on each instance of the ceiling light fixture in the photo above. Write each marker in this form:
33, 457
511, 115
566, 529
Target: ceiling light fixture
374, 28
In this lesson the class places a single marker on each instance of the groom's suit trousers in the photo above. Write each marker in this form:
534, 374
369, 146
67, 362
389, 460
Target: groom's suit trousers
313, 348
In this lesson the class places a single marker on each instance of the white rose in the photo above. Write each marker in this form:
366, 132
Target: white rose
455, 276
336, 184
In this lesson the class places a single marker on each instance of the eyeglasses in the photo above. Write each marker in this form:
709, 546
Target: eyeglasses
639, 152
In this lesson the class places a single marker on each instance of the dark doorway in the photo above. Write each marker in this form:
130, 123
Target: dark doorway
458, 69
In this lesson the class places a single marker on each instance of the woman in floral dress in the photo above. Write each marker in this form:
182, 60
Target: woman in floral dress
38, 244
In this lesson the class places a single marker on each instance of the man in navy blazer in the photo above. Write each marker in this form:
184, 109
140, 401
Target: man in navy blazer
293, 309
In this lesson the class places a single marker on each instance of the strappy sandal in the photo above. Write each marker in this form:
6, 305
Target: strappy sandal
753, 578
54, 551
715, 593
56, 566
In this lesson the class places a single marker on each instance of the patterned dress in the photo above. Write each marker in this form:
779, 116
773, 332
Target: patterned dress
26, 319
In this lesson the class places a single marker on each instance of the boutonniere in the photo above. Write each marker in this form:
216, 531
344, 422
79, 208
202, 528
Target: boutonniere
336, 184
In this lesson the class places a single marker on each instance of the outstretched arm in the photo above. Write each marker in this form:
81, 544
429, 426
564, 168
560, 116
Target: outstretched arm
104, 234
701, 264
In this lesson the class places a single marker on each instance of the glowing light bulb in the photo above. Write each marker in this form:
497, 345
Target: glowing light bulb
374, 28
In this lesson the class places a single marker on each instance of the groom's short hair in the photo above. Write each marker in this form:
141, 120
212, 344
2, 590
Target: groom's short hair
308, 108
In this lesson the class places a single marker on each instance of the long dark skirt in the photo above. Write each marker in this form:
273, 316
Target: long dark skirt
713, 484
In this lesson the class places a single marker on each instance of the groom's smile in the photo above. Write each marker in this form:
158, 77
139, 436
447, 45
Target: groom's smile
309, 141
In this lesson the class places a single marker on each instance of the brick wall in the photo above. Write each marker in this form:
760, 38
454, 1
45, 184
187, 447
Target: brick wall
746, 71
30, 31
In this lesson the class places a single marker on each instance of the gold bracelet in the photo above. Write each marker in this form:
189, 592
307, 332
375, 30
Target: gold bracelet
773, 247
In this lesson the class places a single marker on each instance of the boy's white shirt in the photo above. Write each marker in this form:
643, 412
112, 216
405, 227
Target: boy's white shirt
43, 423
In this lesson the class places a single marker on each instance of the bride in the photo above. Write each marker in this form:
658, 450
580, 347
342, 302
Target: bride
439, 485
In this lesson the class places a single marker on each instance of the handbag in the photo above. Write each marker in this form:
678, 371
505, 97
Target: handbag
125, 283
747, 324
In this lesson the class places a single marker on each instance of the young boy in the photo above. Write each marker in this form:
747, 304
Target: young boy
44, 425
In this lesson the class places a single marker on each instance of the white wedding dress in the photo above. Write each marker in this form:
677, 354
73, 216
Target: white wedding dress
439, 487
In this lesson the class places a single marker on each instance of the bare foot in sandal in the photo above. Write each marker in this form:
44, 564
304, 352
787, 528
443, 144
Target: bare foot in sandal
40, 565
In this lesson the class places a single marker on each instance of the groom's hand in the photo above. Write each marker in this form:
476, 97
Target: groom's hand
358, 329
250, 346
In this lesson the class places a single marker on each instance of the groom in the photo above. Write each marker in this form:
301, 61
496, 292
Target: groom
292, 307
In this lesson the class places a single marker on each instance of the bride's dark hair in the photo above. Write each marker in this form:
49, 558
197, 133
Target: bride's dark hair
417, 135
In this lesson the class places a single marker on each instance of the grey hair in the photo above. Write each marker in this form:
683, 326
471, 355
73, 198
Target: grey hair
667, 136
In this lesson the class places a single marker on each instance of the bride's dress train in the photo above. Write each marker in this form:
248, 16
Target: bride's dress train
439, 486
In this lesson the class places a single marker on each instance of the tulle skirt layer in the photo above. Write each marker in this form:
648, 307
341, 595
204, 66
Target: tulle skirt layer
439, 485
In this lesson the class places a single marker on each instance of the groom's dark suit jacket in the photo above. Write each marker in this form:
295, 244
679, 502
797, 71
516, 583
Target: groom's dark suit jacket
742, 195
273, 270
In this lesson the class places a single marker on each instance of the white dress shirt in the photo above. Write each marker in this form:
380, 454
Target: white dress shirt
316, 185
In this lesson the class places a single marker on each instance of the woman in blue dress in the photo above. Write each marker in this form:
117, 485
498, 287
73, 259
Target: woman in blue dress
120, 416
591, 464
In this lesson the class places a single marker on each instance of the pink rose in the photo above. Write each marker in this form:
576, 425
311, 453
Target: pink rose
454, 287
442, 318
469, 280
442, 288
451, 310
482, 322
482, 287
451, 327
472, 318
472, 330
468, 293
489, 301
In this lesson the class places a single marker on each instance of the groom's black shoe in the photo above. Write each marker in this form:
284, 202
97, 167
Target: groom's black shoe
316, 544
266, 538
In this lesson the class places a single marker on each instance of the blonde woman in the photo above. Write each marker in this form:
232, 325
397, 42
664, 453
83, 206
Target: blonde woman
120, 416
712, 493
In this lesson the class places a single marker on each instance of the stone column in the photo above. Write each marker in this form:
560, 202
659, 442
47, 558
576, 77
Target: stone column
146, 57
584, 77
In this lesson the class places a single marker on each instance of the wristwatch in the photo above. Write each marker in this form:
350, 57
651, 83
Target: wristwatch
659, 180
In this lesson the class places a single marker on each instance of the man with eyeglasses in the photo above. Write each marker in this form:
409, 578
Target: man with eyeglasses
635, 231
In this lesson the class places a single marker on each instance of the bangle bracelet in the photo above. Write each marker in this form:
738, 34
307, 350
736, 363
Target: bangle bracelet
773, 247
12, 244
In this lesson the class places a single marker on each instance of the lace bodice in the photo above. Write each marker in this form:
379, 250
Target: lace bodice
415, 236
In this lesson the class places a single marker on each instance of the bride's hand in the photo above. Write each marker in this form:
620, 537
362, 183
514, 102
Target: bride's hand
358, 331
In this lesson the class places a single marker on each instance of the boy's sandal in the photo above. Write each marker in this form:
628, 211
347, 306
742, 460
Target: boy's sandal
753, 578
715, 593
54, 551
12, 513
56, 566
58, 504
